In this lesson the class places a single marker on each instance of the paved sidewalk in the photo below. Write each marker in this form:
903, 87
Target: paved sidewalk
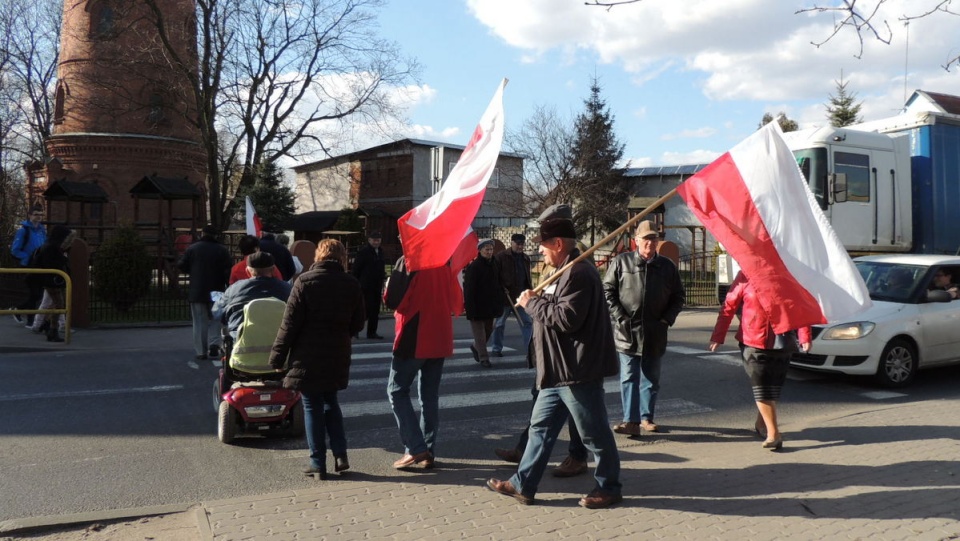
887, 472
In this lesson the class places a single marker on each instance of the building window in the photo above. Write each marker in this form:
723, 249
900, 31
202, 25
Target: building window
103, 20
156, 114
58, 100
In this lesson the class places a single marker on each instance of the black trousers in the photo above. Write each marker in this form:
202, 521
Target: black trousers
33, 300
372, 306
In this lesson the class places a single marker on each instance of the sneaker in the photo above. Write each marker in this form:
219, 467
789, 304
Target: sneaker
17, 317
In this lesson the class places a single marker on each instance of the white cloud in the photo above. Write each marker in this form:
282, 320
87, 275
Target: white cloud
697, 133
744, 49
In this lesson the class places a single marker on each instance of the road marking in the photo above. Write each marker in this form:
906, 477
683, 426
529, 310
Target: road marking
95, 392
389, 354
732, 360
882, 395
687, 351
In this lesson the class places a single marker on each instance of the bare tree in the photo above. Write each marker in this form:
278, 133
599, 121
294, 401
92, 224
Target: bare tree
545, 141
29, 49
275, 78
869, 25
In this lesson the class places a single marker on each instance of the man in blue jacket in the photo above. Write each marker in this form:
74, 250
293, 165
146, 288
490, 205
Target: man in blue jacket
28, 238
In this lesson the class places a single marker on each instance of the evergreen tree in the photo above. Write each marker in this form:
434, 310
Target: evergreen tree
842, 111
596, 179
271, 197
786, 124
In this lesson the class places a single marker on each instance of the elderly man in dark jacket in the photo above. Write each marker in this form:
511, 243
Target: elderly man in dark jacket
481, 299
261, 285
645, 294
573, 350
208, 264
370, 268
323, 312
513, 269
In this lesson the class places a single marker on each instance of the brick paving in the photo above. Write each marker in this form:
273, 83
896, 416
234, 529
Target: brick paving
890, 473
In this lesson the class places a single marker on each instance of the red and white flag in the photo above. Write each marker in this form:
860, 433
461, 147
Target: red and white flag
755, 201
254, 227
431, 232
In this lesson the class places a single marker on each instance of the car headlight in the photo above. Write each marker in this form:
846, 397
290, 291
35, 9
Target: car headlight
849, 331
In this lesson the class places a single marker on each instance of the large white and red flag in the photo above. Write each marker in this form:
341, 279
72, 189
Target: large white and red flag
254, 227
755, 201
431, 232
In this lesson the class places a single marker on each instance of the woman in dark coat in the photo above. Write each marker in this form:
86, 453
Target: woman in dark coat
482, 296
324, 311
52, 255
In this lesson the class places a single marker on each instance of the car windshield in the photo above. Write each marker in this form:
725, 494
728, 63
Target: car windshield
892, 282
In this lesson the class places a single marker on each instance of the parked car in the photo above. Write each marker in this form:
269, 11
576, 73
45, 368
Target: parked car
910, 326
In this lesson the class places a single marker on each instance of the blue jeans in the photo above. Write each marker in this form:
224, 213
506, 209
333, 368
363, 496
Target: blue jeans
323, 418
575, 448
639, 386
206, 329
417, 435
584, 401
526, 328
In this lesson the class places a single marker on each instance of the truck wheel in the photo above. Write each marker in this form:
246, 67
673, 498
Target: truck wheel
898, 364
297, 426
226, 422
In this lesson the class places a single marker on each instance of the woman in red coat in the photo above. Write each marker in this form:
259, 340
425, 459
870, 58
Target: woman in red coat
766, 355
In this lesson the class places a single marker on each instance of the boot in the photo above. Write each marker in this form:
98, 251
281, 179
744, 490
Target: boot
53, 335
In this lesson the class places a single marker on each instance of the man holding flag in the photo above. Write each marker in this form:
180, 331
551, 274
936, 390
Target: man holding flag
424, 291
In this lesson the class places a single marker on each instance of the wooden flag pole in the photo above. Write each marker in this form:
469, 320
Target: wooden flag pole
588, 252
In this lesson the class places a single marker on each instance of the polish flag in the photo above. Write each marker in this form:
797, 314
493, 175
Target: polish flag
755, 202
431, 232
254, 227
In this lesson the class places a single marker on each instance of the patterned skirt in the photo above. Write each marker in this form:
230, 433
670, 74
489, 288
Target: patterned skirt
767, 370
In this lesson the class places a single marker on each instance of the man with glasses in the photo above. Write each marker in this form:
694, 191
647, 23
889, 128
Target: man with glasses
645, 295
28, 238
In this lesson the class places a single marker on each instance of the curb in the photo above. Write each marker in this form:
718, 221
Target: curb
21, 525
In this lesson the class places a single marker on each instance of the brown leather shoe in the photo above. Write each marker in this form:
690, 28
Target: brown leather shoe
599, 500
649, 426
630, 429
509, 455
422, 461
570, 467
505, 488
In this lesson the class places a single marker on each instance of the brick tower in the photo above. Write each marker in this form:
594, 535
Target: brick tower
122, 111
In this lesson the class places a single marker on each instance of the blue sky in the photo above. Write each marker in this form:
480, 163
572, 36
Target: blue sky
685, 80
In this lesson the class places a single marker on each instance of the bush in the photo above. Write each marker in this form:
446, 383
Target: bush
122, 269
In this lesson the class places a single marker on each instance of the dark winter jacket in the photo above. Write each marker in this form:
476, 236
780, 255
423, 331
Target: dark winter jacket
208, 263
645, 299
572, 337
507, 266
324, 311
230, 305
481, 290
369, 267
51, 256
26, 241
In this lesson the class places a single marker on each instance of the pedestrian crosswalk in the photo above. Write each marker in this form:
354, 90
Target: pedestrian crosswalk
466, 384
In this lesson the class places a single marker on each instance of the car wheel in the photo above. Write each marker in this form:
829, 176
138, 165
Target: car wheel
898, 364
226, 422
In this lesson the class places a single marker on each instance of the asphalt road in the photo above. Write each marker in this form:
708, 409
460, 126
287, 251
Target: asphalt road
82, 431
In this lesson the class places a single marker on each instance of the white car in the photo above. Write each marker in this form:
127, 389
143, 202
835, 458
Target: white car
912, 324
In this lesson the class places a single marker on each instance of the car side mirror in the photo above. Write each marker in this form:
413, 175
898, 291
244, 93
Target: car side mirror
938, 295
838, 186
